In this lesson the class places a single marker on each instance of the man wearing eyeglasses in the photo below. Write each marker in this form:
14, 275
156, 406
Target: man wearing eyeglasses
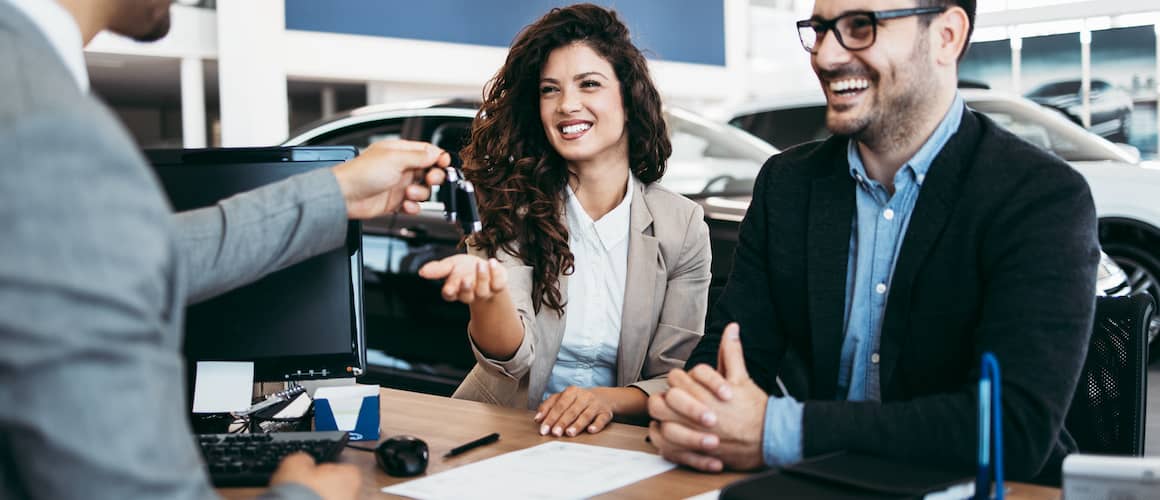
875, 267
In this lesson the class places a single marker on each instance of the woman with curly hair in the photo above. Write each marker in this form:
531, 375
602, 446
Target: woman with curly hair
589, 281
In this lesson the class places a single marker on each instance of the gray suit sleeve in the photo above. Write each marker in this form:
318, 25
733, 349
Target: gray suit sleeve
247, 236
91, 393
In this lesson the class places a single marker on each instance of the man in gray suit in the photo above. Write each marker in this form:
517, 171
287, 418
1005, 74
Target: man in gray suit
95, 269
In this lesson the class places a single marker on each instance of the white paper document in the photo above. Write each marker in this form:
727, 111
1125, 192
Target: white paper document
222, 386
555, 470
296, 408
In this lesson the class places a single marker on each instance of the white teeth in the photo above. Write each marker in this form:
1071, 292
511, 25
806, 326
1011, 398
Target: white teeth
851, 84
575, 129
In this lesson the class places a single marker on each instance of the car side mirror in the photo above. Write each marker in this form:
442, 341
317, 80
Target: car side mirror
1131, 150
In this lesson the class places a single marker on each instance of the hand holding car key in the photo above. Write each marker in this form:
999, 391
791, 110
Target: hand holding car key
458, 197
467, 278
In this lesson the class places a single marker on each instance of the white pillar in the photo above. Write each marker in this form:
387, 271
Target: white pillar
193, 103
1085, 48
329, 101
1016, 65
251, 72
378, 92
1156, 79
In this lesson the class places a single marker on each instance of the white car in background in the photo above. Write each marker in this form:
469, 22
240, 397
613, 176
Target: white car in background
1126, 191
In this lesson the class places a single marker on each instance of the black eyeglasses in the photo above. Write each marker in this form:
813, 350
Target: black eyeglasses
855, 30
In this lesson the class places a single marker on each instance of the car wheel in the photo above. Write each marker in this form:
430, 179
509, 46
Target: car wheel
1143, 271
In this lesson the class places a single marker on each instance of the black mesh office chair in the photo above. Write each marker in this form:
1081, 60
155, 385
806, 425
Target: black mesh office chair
1107, 413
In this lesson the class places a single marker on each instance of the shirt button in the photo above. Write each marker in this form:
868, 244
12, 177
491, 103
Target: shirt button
880, 288
874, 358
888, 214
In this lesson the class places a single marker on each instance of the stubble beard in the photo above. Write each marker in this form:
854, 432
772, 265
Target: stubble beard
896, 112
156, 32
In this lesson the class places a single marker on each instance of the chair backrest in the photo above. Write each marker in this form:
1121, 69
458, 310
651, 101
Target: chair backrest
1107, 413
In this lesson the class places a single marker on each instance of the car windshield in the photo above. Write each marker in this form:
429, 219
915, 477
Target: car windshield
787, 127
1049, 130
711, 158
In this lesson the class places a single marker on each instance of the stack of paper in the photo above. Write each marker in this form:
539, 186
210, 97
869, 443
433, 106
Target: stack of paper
555, 470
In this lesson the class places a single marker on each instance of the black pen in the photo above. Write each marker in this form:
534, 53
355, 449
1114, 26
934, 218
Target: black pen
488, 439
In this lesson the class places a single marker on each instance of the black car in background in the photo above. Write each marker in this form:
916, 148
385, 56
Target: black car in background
418, 341
1111, 107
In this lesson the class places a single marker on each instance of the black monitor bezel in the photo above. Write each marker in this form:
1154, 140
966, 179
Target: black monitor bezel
287, 368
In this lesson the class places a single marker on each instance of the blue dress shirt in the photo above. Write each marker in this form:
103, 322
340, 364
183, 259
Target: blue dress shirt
877, 233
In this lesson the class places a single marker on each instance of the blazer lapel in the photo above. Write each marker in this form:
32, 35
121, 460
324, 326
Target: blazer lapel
831, 212
936, 200
637, 320
549, 336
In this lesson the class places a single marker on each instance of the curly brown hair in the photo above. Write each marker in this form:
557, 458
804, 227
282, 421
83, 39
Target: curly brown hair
519, 176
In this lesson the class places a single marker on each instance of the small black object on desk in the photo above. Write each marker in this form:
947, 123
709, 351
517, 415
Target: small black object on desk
488, 439
402, 456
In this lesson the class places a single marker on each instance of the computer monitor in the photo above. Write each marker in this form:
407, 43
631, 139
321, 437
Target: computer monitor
302, 322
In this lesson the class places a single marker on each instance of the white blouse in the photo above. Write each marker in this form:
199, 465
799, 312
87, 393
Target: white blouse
587, 355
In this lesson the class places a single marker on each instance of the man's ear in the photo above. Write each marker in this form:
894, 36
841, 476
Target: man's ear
950, 31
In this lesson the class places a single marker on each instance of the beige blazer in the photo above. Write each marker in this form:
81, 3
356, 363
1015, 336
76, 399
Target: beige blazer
665, 300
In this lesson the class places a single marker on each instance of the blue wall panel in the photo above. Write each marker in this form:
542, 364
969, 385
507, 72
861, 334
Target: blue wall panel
690, 31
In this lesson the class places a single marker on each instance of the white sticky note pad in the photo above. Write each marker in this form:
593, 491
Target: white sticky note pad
345, 402
223, 386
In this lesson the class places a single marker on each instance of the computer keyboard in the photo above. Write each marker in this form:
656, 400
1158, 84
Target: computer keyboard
250, 459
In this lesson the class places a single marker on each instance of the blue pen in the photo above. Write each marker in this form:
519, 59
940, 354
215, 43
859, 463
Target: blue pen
983, 478
990, 429
997, 425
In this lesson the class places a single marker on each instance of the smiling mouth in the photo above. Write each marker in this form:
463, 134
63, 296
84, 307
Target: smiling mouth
849, 86
574, 130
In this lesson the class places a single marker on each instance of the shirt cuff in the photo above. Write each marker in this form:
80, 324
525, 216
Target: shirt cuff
782, 441
290, 491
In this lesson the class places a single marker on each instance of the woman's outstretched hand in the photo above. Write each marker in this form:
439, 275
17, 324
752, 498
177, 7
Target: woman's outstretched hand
467, 278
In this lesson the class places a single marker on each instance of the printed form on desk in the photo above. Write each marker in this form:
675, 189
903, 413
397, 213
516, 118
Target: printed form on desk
555, 470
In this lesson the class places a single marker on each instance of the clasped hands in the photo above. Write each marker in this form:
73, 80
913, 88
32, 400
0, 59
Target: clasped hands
711, 419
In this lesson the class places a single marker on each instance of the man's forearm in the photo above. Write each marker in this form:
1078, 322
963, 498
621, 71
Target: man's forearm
249, 235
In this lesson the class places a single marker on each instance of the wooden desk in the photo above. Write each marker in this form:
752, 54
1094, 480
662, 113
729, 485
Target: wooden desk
445, 423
